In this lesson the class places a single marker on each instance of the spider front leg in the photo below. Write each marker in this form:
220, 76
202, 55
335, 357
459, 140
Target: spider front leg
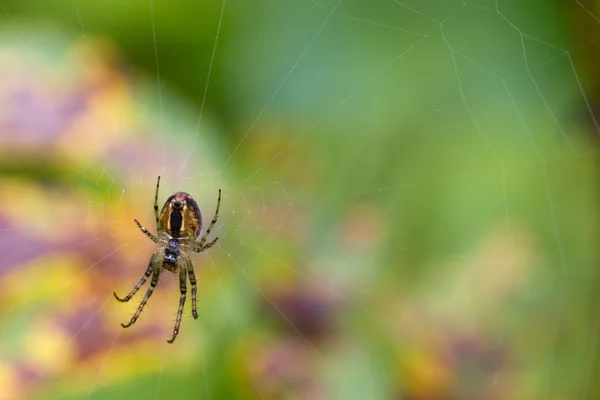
204, 247
146, 232
156, 201
201, 245
153, 283
183, 290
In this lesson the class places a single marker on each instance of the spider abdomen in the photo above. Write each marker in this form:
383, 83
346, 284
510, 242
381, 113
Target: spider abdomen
180, 216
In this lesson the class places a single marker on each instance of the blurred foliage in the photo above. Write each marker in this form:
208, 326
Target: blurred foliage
409, 209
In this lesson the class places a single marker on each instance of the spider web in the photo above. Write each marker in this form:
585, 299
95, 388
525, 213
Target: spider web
407, 201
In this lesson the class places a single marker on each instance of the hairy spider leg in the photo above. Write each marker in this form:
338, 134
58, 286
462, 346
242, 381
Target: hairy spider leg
190, 269
206, 246
153, 283
140, 283
146, 232
156, 201
183, 290
212, 223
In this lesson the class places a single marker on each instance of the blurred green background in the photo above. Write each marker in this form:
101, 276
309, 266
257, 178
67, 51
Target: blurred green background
409, 198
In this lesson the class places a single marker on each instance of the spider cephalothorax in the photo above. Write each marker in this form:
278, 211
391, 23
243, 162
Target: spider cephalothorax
179, 225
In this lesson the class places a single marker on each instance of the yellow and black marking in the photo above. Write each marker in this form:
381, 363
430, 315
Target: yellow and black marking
180, 216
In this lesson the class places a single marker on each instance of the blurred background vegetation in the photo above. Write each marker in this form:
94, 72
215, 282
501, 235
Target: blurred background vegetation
409, 211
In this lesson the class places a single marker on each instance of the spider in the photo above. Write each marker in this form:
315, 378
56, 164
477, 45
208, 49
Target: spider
178, 226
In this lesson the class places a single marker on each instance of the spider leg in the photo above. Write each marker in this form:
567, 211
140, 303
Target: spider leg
212, 223
209, 245
139, 284
205, 247
156, 201
146, 232
183, 290
190, 270
153, 283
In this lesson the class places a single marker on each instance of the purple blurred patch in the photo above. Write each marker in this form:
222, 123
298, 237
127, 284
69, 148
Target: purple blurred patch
18, 249
485, 355
36, 118
308, 309
93, 335
287, 370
